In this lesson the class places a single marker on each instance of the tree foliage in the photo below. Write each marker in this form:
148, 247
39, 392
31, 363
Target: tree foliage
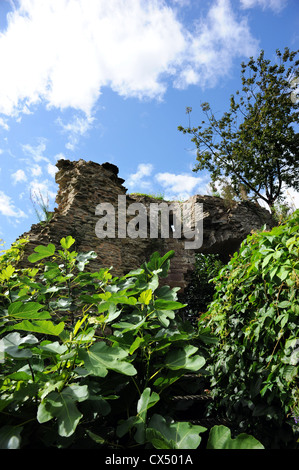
255, 143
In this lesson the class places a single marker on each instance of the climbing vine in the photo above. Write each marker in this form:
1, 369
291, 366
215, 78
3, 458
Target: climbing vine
255, 315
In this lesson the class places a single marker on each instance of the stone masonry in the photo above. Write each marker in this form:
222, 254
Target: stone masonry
83, 185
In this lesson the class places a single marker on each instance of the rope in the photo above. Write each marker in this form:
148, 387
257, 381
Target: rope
190, 397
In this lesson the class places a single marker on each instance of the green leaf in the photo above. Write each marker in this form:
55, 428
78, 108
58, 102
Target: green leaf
166, 293
126, 425
156, 263
162, 304
168, 379
51, 273
95, 437
6, 273
135, 345
45, 327
145, 297
165, 309
122, 299
164, 315
290, 372
67, 242
126, 326
42, 252
158, 440
184, 359
96, 403
83, 258
284, 304
283, 273
50, 387
62, 406
114, 299
153, 283
273, 271
10, 345
61, 304
20, 376
267, 260
54, 348
27, 310
146, 401
220, 438
100, 358
10, 437
113, 313
165, 434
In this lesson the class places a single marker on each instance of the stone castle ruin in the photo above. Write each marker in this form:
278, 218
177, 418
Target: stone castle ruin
84, 185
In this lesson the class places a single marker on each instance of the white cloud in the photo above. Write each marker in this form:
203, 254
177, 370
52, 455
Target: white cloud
52, 169
181, 186
36, 170
4, 124
36, 152
291, 197
19, 176
59, 156
181, 3
66, 51
175, 186
44, 189
8, 208
275, 5
76, 128
136, 179
220, 38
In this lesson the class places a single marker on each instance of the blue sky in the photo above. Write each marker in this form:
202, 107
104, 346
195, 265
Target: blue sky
109, 81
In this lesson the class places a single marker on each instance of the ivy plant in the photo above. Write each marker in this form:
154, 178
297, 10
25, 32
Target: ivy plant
255, 315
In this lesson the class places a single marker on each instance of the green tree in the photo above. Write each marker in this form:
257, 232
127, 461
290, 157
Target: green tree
255, 144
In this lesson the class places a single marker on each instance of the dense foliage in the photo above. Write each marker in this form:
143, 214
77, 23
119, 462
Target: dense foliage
255, 143
255, 314
88, 360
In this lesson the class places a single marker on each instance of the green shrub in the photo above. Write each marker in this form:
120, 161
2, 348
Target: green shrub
159, 196
255, 315
87, 360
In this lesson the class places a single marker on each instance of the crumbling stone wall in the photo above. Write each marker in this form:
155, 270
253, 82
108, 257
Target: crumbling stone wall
83, 185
